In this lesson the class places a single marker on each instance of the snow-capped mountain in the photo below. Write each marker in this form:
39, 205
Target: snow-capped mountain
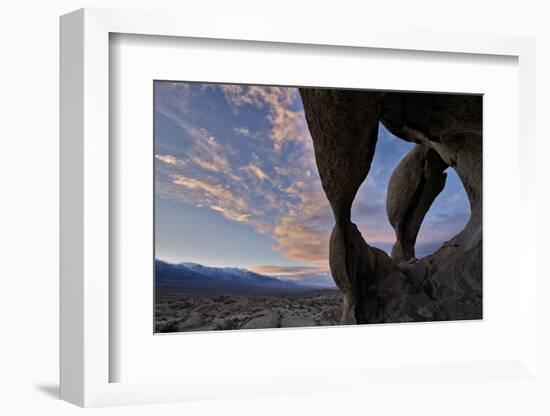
197, 276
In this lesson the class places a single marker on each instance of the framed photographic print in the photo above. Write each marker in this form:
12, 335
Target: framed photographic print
245, 234
238, 211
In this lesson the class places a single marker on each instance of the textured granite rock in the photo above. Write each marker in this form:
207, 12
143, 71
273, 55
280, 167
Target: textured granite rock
413, 187
447, 130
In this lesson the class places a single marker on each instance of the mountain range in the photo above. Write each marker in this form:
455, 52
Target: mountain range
193, 277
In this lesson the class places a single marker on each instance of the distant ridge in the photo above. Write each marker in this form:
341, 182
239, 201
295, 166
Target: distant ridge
193, 277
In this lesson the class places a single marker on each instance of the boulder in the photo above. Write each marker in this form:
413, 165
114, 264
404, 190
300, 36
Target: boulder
265, 320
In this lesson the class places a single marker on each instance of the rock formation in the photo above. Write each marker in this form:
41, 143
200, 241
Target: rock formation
447, 131
413, 186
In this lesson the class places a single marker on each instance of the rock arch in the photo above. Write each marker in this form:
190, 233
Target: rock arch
447, 130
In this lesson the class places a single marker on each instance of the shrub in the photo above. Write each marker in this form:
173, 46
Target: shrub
228, 324
171, 326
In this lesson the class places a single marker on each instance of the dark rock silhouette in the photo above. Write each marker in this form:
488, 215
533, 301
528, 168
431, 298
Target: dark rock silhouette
447, 131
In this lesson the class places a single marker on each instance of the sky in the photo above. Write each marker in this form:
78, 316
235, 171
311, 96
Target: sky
236, 184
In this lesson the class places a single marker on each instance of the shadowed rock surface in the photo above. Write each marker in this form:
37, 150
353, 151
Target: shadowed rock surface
447, 129
413, 187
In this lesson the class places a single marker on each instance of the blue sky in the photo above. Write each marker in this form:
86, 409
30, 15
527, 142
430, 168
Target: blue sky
236, 184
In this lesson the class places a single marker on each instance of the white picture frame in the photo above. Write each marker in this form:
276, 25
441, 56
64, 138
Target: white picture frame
85, 353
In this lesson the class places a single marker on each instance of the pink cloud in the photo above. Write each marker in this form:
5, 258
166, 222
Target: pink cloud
286, 124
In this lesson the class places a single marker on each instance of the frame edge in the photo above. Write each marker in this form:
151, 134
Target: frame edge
82, 353
71, 220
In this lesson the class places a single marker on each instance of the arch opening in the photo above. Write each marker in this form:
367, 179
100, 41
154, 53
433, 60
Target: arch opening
446, 217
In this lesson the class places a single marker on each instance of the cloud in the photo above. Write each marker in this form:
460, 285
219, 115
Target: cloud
174, 95
170, 160
216, 196
243, 131
256, 171
206, 152
302, 223
287, 124
320, 280
230, 214
196, 184
211, 163
375, 236
275, 270
203, 150
310, 276
301, 242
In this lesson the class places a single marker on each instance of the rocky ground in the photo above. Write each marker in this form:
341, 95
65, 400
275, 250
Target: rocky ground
199, 312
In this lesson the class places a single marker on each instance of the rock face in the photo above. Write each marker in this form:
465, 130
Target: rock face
447, 131
413, 186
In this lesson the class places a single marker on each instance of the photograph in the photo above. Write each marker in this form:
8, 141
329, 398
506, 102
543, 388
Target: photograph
234, 208
303, 206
